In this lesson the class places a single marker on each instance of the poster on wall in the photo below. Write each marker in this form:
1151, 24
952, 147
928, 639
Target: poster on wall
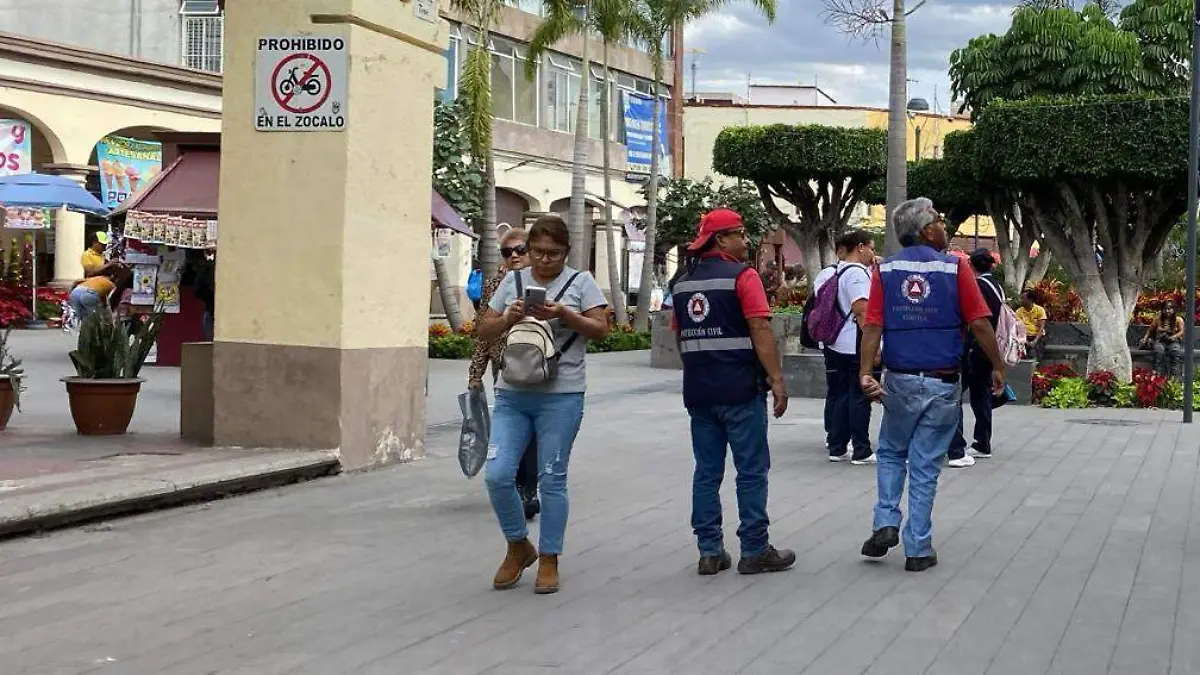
639, 110
22, 218
167, 281
126, 164
16, 147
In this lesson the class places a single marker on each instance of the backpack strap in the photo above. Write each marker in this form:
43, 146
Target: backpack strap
837, 278
574, 336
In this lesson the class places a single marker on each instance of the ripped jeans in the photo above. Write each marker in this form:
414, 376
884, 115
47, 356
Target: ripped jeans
556, 419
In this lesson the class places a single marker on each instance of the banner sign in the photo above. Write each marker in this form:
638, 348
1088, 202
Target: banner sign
639, 110
126, 164
16, 148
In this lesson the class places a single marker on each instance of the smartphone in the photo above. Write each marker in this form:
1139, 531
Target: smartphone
535, 296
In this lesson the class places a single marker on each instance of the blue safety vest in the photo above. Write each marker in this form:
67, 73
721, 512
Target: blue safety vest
719, 363
922, 323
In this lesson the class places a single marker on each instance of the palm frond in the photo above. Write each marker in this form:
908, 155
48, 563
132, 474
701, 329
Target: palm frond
475, 89
613, 20
561, 21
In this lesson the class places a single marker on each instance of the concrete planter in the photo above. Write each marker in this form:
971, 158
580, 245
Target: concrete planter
665, 354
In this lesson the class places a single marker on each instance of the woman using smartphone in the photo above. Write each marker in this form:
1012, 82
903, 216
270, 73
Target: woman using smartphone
553, 410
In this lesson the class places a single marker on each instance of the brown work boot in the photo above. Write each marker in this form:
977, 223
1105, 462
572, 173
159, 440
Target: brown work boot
521, 554
547, 578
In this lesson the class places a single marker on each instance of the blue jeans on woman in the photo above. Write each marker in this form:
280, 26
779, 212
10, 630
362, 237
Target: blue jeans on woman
920, 416
741, 429
518, 415
83, 301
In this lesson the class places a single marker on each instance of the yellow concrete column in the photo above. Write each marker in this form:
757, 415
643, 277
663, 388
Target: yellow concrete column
323, 265
68, 243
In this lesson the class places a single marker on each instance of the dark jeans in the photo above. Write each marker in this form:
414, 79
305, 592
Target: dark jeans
977, 383
742, 429
847, 409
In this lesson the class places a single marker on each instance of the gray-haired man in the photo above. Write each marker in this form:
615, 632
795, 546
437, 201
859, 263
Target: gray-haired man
920, 299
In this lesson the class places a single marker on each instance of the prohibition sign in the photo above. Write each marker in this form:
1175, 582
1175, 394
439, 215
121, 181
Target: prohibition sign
298, 86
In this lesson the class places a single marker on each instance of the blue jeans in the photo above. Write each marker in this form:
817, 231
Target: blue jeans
847, 409
83, 301
517, 416
920, 415
742, 428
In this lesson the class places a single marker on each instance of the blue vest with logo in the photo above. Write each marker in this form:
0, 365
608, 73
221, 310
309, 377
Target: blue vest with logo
719, 363
922, 323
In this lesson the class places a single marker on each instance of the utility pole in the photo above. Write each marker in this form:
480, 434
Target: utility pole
695, 52
1189, 340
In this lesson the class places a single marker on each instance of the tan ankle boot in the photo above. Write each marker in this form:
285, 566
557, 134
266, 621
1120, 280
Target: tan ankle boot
547, 578
521, 554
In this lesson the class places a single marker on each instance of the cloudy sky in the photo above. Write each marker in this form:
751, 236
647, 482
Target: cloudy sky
800, 48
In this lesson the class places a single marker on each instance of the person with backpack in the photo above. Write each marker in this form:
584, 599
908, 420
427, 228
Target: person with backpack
809, 342
838, 311
541, 389
921, 298
977, 371
723, 323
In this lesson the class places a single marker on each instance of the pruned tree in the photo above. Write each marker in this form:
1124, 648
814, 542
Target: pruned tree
1104, 181
867, 19
953, 193
821, 172
682, 202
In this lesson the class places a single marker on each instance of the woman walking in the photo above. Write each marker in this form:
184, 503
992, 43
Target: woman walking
553, 410
513, 256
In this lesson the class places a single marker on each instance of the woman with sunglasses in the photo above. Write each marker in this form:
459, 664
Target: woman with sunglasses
513, 256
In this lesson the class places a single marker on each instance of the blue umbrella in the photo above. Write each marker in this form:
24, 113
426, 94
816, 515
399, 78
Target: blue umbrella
38, 190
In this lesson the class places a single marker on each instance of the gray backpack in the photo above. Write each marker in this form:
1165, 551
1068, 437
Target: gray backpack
530, 354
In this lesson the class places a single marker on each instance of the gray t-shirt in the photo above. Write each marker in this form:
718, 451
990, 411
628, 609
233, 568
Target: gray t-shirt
583, 295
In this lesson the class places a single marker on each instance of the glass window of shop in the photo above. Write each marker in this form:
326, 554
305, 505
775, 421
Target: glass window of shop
562, 93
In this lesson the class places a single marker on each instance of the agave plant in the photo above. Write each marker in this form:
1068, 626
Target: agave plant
11, 368
105, 352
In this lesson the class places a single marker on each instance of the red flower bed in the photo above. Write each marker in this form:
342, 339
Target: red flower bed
1061, 301
14, 306
1150, 304
1102, 386
1148, 387
1046, 377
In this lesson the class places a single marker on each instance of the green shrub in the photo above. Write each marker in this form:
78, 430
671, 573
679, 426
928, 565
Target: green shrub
451, 347
1069, 392
620, 341
1125, 395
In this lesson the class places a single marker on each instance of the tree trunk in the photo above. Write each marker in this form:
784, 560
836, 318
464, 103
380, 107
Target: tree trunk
1041, 265
897, 168
641, 320
1108, 318
614, 267
809, 244
489, 247
581, 244
446, 291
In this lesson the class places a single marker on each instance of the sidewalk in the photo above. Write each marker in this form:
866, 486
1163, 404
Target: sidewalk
1075, 550
50, 476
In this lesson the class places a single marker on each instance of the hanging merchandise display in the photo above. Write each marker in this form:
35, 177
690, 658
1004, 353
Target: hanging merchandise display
177, 231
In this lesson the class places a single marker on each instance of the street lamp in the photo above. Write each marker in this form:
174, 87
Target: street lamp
916, 105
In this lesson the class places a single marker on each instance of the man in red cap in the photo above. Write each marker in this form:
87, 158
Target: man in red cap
730, 361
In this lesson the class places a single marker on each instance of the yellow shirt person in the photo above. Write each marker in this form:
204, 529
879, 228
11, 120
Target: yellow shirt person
1032, 315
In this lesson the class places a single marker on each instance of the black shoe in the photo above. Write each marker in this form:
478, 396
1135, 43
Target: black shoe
920, 564
532, 508
713, 564
881, 540
770, 561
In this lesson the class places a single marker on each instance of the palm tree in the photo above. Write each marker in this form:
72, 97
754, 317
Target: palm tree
611, 20
475, 89
563, 18
652, 21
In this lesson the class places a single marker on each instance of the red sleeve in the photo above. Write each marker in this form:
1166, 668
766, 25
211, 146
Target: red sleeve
752, 295
875, 301
971, 304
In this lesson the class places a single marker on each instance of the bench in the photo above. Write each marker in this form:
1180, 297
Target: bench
1077, 356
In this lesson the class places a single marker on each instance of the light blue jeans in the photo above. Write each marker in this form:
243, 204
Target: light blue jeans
920, 416
556, 419
83, 301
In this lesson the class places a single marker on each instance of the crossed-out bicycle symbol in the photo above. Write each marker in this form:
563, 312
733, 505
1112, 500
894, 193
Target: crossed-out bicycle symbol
311, 85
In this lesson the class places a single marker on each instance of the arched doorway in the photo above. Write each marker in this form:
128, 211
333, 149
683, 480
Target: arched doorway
510, 207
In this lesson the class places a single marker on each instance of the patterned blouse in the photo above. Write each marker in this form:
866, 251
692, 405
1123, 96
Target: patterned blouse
486, 351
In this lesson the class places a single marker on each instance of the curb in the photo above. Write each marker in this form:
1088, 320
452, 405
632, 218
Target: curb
54, 508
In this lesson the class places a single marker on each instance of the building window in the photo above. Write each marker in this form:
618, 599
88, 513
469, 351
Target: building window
503, 71
562, 93
451, 90
202, 25
514, 91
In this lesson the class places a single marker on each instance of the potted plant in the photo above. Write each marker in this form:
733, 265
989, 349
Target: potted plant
11, 378
103, 392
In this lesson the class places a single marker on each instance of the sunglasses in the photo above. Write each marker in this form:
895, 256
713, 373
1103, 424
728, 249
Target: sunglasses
519, 249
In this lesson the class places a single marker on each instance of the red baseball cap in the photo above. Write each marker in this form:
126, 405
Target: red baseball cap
715, 222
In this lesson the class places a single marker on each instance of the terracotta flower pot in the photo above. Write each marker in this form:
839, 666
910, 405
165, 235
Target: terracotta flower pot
7, 401
102, 407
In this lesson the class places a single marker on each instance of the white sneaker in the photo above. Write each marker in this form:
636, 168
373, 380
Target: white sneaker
869, 459
840, 458
979, 455
961, 463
